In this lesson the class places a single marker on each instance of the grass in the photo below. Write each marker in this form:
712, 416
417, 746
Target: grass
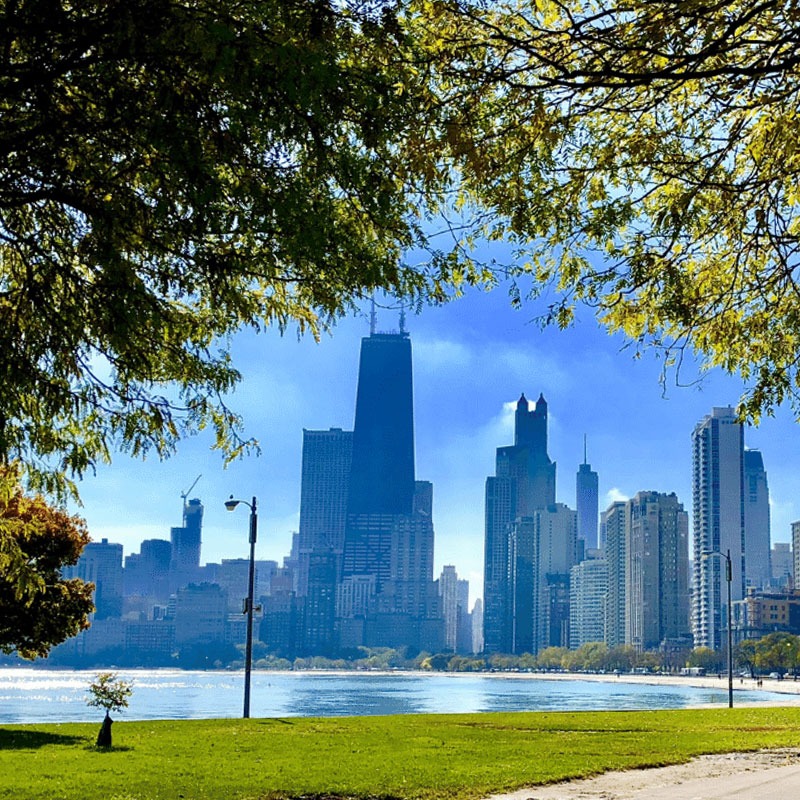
416, 756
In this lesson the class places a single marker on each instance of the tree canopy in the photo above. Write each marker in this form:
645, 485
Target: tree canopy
171, 172
38, 608
643, 158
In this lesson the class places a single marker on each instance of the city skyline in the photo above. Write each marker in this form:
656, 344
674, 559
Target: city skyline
472, 360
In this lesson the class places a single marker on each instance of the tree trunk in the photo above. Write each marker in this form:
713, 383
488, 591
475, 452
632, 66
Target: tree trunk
104, 737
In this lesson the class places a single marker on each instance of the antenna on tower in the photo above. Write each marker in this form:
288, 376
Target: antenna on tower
373, 319
402, 319
584, 449
185, 494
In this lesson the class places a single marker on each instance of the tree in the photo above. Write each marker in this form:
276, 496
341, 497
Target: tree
746, 655
777, 651
38, 608
643, 158
171, 172
710, 660
111, 693
552, 657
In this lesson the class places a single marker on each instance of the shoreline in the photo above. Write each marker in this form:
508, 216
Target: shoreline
788, 686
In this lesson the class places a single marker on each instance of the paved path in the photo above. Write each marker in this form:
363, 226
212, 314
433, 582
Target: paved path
765, 775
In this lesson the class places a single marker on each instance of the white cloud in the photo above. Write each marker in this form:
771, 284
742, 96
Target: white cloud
438, 354
614, 495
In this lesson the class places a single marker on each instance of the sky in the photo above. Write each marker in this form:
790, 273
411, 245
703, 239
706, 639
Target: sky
472, 359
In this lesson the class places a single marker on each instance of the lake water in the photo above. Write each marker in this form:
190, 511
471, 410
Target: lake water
36, 695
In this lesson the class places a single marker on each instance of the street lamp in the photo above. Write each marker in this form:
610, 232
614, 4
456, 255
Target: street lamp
728, 578
248, 603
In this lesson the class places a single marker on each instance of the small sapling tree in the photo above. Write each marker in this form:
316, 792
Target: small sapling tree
110, 693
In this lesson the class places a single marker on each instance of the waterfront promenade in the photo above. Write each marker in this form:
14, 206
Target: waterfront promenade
763, 775
788, 687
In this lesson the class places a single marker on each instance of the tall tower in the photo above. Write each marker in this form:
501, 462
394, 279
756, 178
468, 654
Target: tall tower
382, 472
388, 540
757, 570
657, 573
324, 484
614, 523
718, 522
186, 541
586, 502
524, 482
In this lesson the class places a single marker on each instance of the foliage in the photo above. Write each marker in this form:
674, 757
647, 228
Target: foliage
171, 172
38, 608
641, 157
777, 652
589, 656
109, 692
419, 757
745, 655
710, 660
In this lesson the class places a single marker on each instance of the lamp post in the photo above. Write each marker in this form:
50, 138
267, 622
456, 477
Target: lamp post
728, 578
248, 607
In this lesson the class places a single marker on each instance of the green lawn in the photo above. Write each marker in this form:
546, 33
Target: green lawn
416, 756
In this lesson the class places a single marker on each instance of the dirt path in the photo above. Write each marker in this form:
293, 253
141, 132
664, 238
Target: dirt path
745, 776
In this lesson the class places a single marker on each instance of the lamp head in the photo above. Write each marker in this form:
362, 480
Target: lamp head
231, 503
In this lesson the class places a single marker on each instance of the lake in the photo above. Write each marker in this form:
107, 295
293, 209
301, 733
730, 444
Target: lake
38, 695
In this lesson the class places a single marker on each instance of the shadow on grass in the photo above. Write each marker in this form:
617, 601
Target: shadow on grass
113, 749
32, 740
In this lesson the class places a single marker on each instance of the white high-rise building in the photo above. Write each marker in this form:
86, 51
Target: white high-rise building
588, 587
448, 592
719, 522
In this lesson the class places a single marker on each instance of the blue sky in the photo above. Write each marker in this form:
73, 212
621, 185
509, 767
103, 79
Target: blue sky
472, 359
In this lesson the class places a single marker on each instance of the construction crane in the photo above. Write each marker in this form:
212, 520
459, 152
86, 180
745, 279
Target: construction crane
185, 494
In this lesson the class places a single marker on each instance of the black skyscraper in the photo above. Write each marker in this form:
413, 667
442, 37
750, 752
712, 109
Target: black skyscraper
524, 481
382, 473
389, 530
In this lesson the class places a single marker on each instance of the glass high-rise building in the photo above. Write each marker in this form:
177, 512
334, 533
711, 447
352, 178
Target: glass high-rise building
186, 541
324, 484
389, 527
382, 472
757, 569
718, 523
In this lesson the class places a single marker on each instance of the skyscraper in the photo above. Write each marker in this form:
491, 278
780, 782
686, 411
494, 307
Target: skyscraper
718, 522
389, 527
100, 563
186, 540
586, 502
382, 472
657, 573
588, 590
542, 549
614, 525
757, 571
524, 481
324, 484
555, 532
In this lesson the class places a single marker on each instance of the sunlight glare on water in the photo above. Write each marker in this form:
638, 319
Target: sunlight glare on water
37, 695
